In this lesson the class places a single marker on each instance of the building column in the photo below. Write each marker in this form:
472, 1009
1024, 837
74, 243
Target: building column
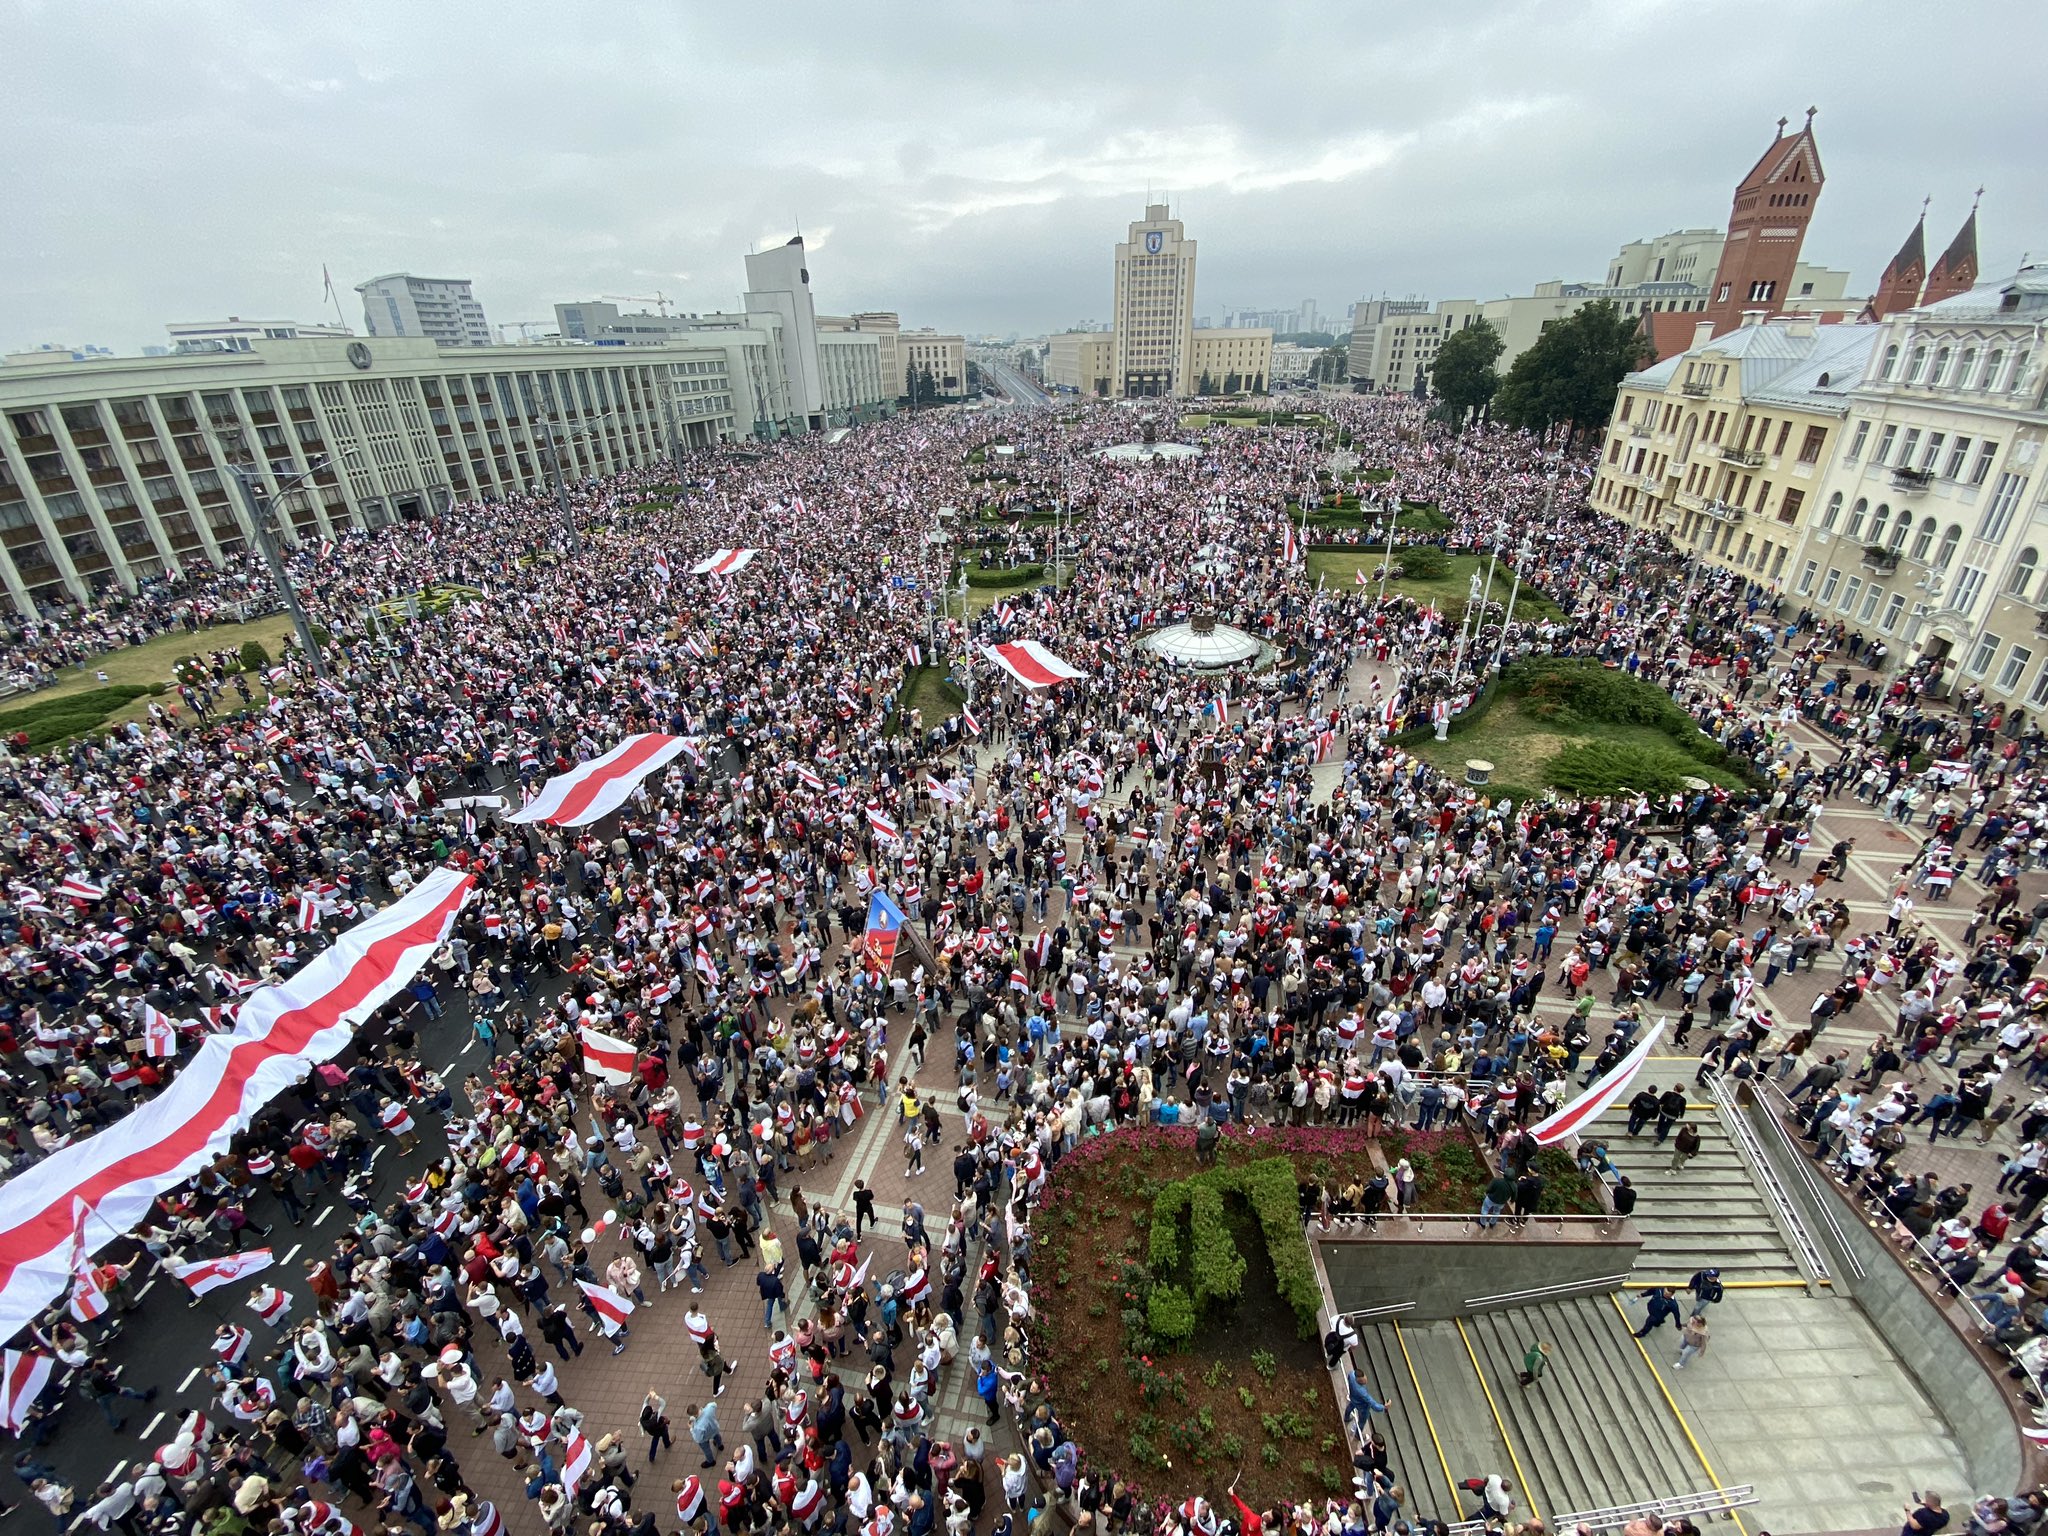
117, 561
186, 493
132, 471
45, 524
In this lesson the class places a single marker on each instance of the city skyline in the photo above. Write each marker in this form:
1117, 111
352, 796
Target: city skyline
962, 170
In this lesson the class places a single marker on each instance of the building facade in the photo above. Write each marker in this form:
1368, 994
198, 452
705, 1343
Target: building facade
1886, 475
440, 309
1363, 357
779, 283
116, 470
1079, 361
237, 335
944, 357
1932, 531
1724, 447
1227, 361
1152, 329
1292, 362
887, 328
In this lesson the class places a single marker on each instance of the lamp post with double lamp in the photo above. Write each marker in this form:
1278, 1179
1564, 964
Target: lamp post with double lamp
548, 440
262, 507
1524, 553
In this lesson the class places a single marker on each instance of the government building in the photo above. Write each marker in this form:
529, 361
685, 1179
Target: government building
1153, 346
114, 470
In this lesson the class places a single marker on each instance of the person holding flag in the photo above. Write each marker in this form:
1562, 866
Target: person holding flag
884, 927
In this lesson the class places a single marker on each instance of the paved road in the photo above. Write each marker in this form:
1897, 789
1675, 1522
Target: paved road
1020, 389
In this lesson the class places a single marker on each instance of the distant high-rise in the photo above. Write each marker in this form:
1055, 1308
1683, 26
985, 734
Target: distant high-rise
1153, 343
440, 309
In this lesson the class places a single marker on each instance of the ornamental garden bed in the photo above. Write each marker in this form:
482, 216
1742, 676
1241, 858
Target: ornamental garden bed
1175, 1326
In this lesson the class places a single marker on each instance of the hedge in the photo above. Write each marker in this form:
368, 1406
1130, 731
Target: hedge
1268, 1187
1423, 562
1170, 1314
979, 575
51, 721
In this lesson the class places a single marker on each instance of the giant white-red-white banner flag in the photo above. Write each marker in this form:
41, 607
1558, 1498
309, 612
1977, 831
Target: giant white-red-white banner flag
607, 1057
723, 562
1589, 1106
597, 788
281, 1033
1031, 663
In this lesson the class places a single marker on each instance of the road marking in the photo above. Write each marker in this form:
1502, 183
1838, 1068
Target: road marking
325, 1212
293, 1254
147, 1286
150, 1428
115, 1475
190, 1377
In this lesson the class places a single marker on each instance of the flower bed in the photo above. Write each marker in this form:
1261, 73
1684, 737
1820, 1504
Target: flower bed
1168, 1326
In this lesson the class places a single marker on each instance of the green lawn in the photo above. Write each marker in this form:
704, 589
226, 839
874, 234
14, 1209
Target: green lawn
1447, 593
1522, 747
152, 662
928, 691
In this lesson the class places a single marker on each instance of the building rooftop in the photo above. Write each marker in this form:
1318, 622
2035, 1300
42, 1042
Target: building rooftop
2023, 296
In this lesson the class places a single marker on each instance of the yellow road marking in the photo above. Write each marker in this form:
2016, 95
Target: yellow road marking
1672, 1403
1429, 1422
1528, 1488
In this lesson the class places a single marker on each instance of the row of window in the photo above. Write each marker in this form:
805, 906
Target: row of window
1945, 367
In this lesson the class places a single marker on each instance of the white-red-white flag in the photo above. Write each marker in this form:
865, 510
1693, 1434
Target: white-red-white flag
203, 1275
607, 1057
612, 1308
23, 1375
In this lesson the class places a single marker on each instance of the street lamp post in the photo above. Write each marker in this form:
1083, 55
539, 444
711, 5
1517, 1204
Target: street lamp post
1524, 553
1470, 623
547, 428
262, 506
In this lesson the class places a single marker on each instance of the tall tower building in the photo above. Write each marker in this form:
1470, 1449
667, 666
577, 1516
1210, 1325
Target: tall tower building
1899, 288
1153, 326
1766, 227
1956, 272
442, 309
779, 283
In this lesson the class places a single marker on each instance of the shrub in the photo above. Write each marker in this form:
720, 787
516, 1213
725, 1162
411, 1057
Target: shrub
979, 575
1600, 768
254, 657
1171, 1313
1218, 1266
1424, 562
53, 721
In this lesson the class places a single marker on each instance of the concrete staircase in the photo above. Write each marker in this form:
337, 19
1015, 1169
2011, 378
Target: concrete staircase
1456, 1409
1594, 1431
1710, 1214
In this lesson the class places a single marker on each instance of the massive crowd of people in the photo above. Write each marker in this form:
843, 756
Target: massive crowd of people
1150, 893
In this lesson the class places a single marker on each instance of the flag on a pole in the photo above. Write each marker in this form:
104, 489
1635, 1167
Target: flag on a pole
882, 826
973, 725
88, 1297
203, 1275
1290, 546
576, 1458
1596, 1100
607, 1057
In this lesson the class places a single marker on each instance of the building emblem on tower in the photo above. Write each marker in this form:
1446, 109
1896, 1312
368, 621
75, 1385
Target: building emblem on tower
1155, 241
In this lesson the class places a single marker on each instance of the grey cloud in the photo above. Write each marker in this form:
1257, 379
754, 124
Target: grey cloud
969, 166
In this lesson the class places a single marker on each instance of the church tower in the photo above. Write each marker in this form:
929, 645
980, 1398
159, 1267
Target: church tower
1900, 286
1766, 228
1956, 272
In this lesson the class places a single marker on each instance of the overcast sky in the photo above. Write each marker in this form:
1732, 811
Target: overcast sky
969, 165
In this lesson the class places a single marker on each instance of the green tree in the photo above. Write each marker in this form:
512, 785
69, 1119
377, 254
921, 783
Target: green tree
1231, 381
1332, 365
1258, 383
1207, 384
1464, 375
1568, 378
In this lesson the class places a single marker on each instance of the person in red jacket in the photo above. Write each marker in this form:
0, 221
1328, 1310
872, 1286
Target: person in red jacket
1249, 1521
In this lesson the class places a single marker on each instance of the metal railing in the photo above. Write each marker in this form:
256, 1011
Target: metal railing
1812, 1262
1547, 1292
1373, 1314
1708, 1502
1814, 1192
1452, 1224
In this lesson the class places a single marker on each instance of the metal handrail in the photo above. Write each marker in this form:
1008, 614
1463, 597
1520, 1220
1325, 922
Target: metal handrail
1542, 1292
1708, 1501
1813, 1189
1383, 1311
1811, 1261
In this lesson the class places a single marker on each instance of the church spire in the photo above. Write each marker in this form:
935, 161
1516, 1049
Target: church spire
1956, 271
1899, 288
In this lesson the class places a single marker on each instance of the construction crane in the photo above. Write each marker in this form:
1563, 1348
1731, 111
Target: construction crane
658, 299
525, 328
